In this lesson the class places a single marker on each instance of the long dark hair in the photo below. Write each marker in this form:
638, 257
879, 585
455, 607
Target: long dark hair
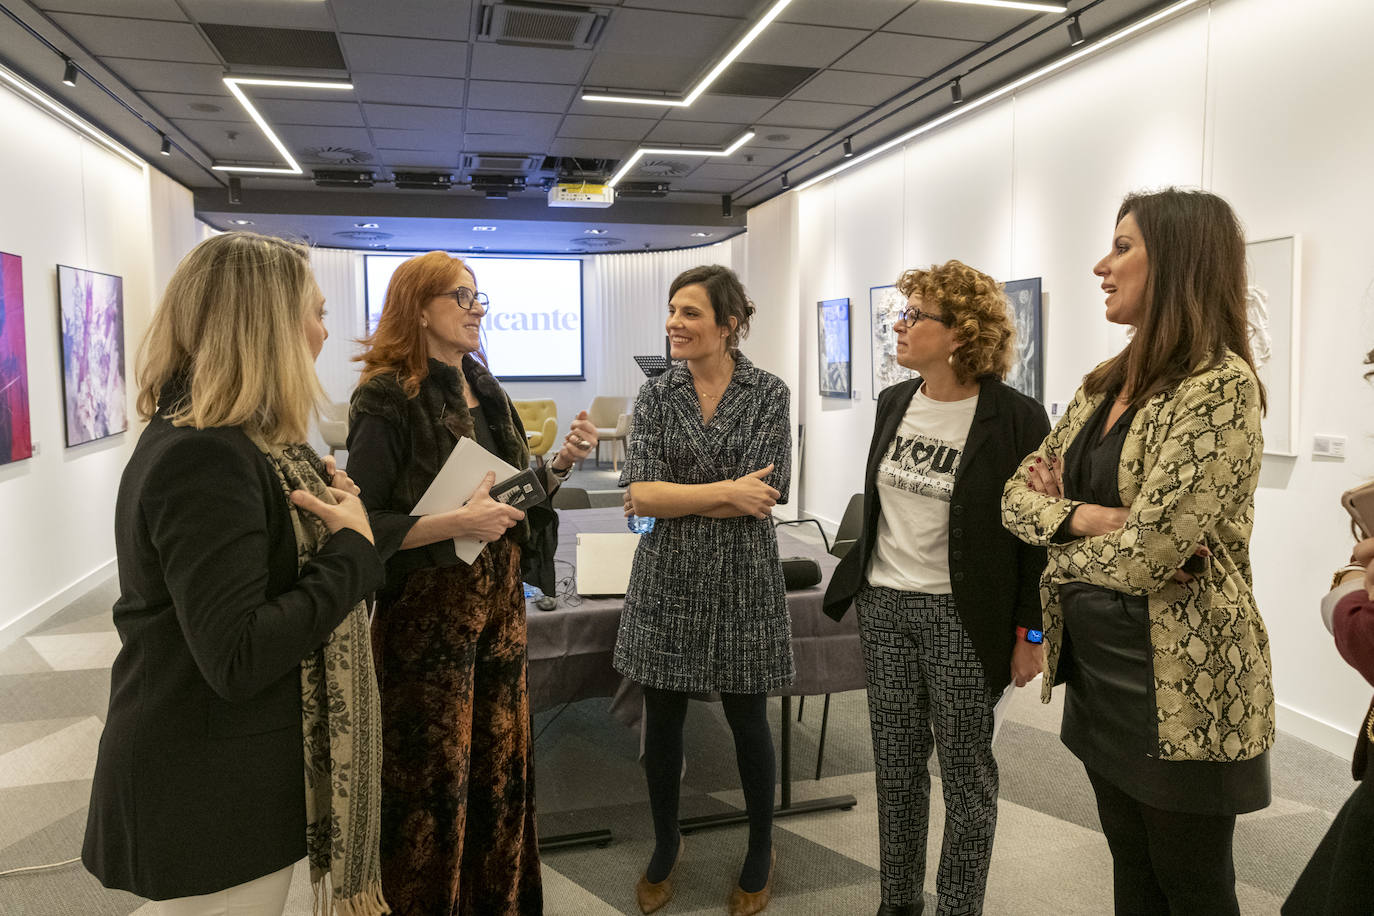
1194, 295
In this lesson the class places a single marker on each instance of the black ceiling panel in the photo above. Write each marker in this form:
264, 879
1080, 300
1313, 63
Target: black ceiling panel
253, 46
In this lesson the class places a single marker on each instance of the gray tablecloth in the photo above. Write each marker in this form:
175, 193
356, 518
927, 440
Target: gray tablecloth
570, 647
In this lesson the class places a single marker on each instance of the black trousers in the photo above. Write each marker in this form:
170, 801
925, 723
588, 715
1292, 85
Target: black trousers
1339, 879
1166, 863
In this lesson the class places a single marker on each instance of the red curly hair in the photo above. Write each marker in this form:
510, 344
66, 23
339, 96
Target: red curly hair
398, 345
977, 310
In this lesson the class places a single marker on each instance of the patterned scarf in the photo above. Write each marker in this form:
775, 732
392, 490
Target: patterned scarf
341, 723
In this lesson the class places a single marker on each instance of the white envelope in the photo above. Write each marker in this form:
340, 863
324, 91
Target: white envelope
453, 486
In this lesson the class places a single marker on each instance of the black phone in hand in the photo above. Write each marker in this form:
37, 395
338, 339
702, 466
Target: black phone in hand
521, 491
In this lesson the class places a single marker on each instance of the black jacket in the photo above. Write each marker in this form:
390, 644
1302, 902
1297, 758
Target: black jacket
995, 577
200, 780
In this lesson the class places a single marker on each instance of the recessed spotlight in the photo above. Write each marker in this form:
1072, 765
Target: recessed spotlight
596, 231
367, 225
701, 235
483, 228
241, 222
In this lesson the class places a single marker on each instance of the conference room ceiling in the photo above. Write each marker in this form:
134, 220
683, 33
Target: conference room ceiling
432, 94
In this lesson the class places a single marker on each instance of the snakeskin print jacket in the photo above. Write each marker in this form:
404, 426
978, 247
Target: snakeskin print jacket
1189, 468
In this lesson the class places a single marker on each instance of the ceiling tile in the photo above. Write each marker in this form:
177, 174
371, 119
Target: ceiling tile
443, 19
729, 170
670, 34
297, 136
433, 139
412, 117
749, 154
147, 39
859, 14
140, 9
740, 109
645, 72
713, 185
853, 88
270, 14
213, 137
787, 137
520, 96
412, 56
958, 20
527, 144
694, 132
604, 128
699, 7
412, 90
813, 114
205, 79
423, 159
792, 45
506, 62
905, 55
510, 122
591, 149
310, 111
178, 105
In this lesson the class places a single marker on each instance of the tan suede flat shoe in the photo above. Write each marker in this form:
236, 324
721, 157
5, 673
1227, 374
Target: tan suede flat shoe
744, 903
653, 895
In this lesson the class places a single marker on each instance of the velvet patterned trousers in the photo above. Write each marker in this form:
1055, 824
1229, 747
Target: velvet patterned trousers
927, 691
458, 833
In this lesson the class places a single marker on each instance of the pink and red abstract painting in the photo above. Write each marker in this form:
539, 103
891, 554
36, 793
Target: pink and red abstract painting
16, 443
92, 353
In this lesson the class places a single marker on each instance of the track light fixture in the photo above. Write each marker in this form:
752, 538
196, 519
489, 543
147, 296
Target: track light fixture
786, 185
69, 72
235, 190
956, 92
166, 147
1075, 32
848, 148
727, 206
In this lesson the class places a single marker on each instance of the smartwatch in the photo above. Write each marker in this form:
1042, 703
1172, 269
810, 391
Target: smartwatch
1035, 636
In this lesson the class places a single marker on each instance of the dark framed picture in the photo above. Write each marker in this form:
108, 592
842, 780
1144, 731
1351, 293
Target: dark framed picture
1027, 373
92, 307
833, 349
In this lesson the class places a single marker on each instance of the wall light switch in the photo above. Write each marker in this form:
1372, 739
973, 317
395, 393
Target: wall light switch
1325, 446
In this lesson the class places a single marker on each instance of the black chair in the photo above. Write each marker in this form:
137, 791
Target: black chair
851, 526
571, 498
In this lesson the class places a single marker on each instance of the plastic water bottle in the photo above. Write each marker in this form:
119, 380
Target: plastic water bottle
640, 524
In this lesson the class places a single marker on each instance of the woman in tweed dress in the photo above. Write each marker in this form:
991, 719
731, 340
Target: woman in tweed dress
706, 608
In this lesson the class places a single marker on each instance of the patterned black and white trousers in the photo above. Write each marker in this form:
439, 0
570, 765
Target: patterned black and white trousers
927, 690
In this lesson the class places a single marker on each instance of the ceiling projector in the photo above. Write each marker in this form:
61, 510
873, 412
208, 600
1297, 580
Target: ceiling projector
581, 194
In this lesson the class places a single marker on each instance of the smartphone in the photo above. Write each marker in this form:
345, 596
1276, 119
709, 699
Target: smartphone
521, 491
1359, 502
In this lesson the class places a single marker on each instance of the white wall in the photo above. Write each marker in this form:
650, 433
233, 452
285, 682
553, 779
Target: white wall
1243, 97
67, 200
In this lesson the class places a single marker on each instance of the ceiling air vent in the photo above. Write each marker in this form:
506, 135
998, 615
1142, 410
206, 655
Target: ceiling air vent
360, 235
670, 168
602, 242
542, 25
338, 155
516, 163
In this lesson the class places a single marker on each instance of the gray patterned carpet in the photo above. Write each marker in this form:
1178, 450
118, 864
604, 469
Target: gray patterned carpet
1049, 857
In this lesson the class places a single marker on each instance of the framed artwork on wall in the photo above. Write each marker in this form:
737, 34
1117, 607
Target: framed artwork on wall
885, 303
833, 349
1272, 303
92, 312
16, 443
1027, 373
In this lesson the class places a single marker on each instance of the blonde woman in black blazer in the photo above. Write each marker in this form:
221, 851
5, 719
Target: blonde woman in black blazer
948, 601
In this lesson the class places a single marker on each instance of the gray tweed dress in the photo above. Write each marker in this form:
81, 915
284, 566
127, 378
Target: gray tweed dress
706, 609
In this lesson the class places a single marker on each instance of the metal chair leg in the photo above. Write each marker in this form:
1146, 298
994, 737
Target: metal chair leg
820, 749
801, 704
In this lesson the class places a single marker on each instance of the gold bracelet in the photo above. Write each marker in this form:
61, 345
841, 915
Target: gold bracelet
1340, 573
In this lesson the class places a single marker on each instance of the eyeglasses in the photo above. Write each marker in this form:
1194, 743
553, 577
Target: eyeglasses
465, 297
912, 315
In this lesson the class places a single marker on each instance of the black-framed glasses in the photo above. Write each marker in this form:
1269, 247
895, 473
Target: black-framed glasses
909, 317
466, 297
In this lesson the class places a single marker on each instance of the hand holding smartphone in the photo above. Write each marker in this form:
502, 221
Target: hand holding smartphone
1359, 502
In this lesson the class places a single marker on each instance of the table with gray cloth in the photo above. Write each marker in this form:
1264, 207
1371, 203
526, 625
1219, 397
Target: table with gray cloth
570, 647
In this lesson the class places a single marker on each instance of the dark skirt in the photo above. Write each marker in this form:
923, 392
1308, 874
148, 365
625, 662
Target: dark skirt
1110, 722
1339, 879
458, 832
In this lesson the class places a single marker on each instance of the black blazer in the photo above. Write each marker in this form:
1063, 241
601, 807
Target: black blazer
200, 780
995, 577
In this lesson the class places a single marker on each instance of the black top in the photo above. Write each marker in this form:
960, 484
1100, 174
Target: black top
1107, 662
995, 577
199, 784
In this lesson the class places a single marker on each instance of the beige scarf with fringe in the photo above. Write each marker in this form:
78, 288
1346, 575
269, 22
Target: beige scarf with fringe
341, 724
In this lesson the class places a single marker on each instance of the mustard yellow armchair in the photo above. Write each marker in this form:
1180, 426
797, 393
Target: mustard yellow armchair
540, 419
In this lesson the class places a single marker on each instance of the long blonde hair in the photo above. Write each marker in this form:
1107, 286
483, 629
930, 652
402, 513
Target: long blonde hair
232, 323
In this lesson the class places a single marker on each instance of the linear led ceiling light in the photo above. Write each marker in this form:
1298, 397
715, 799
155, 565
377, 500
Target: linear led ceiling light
1017, 5
1002, 91
677, 151
705, 81
41, 99
235, 82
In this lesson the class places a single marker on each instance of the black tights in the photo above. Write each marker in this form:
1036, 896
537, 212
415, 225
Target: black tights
665, 711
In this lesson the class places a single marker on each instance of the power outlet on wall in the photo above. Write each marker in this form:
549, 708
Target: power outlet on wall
1325, 446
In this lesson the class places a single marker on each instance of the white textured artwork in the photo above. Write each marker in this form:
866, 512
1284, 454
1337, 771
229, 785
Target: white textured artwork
885, 303
1271, 303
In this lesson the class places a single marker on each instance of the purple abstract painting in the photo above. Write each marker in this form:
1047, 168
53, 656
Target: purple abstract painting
15, 441
92, 353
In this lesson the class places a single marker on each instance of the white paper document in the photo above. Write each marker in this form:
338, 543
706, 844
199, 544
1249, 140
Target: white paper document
453, 486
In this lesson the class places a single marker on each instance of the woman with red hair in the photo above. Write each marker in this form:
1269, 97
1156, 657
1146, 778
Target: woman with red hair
458, 831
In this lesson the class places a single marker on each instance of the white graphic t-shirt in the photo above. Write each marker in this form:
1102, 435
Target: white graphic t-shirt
915, 484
